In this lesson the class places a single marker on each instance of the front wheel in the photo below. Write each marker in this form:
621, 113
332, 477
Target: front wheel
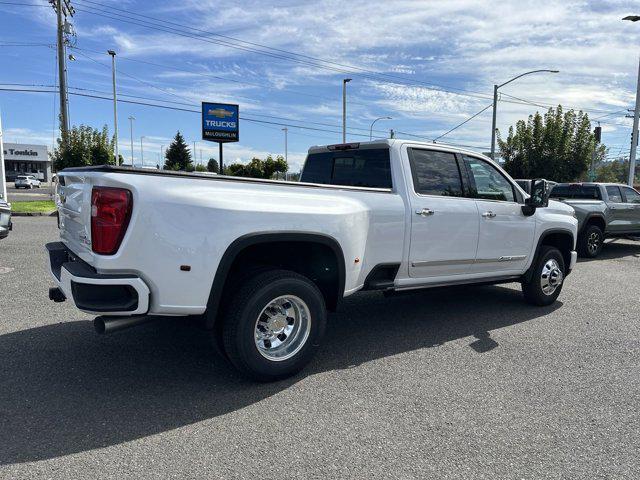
546, 282
273, 325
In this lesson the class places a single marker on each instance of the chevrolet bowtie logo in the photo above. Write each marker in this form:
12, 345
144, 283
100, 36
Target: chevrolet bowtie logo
220, 113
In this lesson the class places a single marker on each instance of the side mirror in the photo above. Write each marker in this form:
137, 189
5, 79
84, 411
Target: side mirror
539, 196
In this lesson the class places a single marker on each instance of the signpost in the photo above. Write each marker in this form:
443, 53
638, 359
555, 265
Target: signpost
220, 123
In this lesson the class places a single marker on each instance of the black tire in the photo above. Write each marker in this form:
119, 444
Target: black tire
241, 314
590, 242
533, 289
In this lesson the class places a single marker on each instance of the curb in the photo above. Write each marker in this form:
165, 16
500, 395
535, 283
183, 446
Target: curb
34, 214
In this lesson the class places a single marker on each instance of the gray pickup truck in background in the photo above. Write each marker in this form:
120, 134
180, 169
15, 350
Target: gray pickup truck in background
604, 210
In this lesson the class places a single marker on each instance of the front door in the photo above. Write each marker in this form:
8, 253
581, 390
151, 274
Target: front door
444, 224
617, 221
506, 234
633, 207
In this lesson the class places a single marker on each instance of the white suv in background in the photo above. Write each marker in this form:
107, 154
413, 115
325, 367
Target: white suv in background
26, 181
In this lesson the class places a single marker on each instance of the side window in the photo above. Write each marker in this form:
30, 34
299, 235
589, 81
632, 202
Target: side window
487, 182
614, 194
435, 173
631, 195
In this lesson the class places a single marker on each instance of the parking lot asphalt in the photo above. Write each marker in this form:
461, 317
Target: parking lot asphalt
459, 383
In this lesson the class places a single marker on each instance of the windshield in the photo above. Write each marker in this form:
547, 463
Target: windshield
21, 178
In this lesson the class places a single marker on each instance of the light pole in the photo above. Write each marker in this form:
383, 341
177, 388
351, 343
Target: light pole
344, 109
495, 105
131, 119
636, 114
286, 150
115, 104
142, 151
373, 123
3, 183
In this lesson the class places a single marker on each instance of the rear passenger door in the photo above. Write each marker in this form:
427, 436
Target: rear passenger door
617, 221
506, 234
633, 207
444, 224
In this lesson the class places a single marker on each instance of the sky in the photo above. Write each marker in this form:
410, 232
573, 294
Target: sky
429, 65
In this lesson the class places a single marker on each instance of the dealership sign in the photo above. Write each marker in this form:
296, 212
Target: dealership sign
220, 122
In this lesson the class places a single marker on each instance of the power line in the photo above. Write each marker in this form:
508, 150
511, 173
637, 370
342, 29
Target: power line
93, 9
217, 77
245, 118
261, 49
461, 124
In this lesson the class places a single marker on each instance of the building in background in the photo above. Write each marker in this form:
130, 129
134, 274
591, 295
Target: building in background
21, 158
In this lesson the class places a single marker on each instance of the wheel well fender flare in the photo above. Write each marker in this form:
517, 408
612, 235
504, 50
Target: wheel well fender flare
589, 218
251, 239
528, 274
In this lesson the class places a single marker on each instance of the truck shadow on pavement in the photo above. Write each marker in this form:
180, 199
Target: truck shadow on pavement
65, 390
615, 250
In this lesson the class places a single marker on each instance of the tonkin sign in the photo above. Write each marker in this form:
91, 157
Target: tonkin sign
220, 122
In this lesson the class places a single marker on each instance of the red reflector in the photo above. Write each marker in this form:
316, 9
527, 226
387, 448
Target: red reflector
110, 213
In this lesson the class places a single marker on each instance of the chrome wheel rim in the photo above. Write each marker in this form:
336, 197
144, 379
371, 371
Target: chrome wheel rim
551, 277
282, 328
593, 242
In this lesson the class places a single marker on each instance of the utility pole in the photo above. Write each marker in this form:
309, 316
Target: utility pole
3, 178
344, 109
131, 119
286, 149
141, 151
634, 134
115, 104
62, 8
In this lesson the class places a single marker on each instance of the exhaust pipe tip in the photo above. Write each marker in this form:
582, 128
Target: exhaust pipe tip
105, 324
99, 325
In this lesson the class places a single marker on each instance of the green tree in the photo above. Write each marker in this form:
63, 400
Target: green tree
178, 156
557, 146
212, 166
258, 168
86, 146
201, 168
614, 171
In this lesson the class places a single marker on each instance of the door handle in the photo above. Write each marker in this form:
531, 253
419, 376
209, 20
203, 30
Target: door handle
425, 212
488, 214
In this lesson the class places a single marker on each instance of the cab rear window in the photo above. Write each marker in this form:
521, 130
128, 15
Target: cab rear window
576, 192
355, 168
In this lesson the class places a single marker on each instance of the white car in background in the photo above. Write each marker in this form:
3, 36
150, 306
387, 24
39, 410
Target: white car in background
26, 181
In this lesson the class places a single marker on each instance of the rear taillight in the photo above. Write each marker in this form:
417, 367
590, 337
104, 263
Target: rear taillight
110, 214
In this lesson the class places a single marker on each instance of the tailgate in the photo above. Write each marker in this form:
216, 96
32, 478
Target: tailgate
74, 210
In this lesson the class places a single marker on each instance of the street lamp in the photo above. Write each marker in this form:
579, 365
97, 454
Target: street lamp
373, 123
636, 114
495, 105
344, 109
142, 150
131, 119
115, 104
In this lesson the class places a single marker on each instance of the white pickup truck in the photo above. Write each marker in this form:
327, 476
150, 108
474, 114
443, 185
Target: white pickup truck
260, 261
